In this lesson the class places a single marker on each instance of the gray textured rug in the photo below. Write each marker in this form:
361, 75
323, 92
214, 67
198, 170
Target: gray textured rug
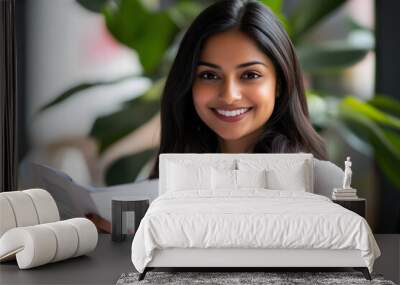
230, 278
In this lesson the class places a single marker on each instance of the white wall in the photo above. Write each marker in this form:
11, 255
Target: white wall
66, 45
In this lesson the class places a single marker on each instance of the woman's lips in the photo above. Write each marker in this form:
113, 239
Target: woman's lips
231, 119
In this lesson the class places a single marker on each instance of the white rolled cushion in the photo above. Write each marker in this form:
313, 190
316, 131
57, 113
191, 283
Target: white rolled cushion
223, 179
251, 178
188, 177
67, 240
23, 208
40, 244
87, 235
7, 218
46, 207
26, 208
33, 245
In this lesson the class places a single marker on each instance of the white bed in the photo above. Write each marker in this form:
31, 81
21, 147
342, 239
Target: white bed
193, 223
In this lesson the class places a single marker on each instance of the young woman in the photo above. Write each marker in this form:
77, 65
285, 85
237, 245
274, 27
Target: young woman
236, 86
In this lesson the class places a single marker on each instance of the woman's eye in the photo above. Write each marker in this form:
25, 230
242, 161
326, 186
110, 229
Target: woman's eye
250, 75
208, 76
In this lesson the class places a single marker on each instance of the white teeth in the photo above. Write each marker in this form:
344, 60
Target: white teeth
233, 113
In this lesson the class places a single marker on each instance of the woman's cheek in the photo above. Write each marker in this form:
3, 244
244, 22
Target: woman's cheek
263, 99
264, 94
202, 95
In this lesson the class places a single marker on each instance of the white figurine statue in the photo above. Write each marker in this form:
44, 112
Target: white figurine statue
347, 174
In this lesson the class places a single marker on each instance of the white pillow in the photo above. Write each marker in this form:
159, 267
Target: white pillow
283, 173
251, 178
227, 179
293, 180
187, 177
223, 179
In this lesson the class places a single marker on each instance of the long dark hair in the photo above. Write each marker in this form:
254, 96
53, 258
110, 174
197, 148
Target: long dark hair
288, 130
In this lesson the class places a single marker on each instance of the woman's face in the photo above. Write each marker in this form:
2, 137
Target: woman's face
234, 90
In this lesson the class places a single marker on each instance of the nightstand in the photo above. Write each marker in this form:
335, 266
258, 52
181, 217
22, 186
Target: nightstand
127, 212
358, 206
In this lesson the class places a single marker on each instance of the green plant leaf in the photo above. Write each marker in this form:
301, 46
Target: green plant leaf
357, 142
110, 128
184, 12
308, 13
389, 167
276, 7
93, 5
389, 163
330, 57
369, 130
369, 111
386, 104
149, 33
384, 142
126, 169
75, 90
394, 138
355, 25
366, 128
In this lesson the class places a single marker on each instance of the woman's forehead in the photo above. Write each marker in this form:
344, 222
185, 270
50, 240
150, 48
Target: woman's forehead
232, 48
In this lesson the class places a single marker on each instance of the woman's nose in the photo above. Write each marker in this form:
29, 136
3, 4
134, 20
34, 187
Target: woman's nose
230, 91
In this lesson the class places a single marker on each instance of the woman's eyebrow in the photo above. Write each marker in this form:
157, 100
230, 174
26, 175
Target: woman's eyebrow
246, 64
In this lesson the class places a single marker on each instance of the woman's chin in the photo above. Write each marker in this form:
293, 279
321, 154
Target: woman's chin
230, 136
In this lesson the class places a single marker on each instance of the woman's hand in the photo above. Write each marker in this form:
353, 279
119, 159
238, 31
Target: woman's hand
102, 225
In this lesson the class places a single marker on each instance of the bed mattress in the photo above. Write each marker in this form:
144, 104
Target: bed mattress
250, 219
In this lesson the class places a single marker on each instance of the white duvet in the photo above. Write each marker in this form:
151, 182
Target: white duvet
251, 218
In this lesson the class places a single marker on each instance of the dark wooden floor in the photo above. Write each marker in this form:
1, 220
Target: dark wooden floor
110, 260
389, 262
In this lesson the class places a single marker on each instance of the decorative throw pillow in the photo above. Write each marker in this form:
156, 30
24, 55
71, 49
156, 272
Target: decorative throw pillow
251, 178
188, 177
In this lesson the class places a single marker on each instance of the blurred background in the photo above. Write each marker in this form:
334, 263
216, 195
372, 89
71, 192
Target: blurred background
93, 72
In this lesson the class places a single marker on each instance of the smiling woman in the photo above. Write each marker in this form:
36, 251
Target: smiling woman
234, 90
235, 86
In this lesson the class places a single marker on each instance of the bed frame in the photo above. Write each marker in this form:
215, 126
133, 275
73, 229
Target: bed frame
248, 259
236, 259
